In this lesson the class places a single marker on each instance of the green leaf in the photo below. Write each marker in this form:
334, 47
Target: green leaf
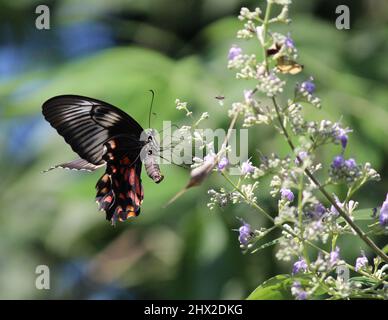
364, 280
276, 288
279, 288
361, 215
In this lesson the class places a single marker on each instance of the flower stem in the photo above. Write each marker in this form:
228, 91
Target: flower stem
343, 214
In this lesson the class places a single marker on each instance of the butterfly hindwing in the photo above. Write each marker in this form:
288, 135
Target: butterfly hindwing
77, 164
119, 190
285, 65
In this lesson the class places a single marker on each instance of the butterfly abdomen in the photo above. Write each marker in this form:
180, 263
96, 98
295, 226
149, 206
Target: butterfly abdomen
153, 169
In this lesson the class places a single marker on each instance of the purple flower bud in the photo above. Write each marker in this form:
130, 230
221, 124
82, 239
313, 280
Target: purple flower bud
343, 138
245, 233
287, 194
383, 218
299, 266
361, 262
223, 163
298, 292
319, 210
234, 52
338, 162
302, 155
289, 43
247, 167
308, 86
334, 257
350, 164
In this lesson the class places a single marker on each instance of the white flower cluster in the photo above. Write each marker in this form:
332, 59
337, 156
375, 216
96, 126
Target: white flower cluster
270, 84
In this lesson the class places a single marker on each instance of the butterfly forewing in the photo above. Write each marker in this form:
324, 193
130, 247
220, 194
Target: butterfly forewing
86, 124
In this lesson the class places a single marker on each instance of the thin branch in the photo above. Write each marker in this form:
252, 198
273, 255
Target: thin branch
342, 213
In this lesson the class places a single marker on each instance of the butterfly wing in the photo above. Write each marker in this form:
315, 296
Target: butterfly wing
87, 123
102, 134
285, 65
119, 190
77, 164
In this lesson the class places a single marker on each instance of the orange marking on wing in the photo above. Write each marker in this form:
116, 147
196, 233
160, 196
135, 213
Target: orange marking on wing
104, 190
131, 214
129, 208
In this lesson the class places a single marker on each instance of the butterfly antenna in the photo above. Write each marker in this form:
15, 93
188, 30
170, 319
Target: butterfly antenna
152, 102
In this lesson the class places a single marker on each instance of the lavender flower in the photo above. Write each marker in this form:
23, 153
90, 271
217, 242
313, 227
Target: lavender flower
223, 163
247, 167
299, 266
305, 92
342, 137
245, 233
302, 156
289, 43
338, 162
319, 210
287, 194
334, 257
234, 52
298, 292
383, 218
351, 164
308, 86
345, 170
361, 262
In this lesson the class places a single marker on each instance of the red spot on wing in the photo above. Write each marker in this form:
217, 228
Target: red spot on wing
119, 191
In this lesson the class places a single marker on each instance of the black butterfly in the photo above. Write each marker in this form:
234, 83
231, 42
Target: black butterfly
102, 134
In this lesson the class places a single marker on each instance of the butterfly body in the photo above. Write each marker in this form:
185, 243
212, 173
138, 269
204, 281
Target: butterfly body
102, 134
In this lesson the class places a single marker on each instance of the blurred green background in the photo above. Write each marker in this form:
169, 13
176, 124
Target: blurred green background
116, 51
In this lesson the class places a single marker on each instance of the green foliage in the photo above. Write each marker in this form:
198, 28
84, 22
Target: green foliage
182, 251
279, 288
